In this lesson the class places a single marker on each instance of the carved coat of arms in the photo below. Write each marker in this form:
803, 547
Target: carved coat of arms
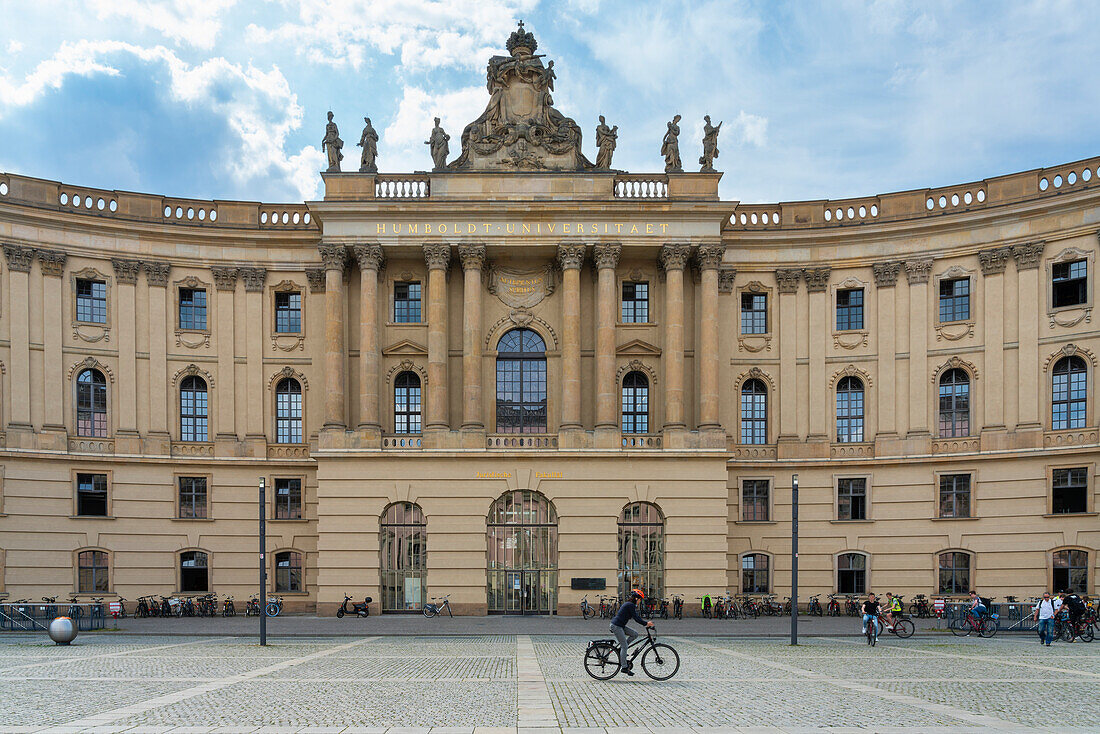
520, 288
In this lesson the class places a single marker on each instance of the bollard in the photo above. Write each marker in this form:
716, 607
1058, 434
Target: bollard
62, 630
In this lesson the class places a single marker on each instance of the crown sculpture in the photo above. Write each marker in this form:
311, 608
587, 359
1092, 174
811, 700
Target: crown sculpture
520, 129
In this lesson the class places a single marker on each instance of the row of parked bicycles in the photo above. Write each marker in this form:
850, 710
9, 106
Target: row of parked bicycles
206, 605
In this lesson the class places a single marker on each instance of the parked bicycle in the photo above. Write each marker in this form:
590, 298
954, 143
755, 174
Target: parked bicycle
228, 608
586, 609
433, 610
274, 606
814, 608
660, 661
920, 607
833, 606
252, 608
678, 606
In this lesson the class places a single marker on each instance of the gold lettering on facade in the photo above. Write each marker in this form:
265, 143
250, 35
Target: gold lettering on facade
492, 475
412, 228
548, 475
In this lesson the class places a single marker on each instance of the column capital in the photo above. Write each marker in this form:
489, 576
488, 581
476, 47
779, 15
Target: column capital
787, 279
333, 256
225, 279
316, 278
709, 256
126, 271
571, 255
606, 255
726, 277
19, 258
918, 271
369, 256
254, 279
1028, 255
472, 256
995, 260
817, 279
52, 262
156, 273
674, 255
437, 256
886, 274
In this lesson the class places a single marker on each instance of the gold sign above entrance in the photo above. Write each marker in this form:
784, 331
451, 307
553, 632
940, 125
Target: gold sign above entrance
522, 228
520, 288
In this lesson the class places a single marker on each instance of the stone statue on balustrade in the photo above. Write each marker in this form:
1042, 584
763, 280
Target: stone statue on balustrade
606, 139
670, 147
710, 145
331, 144
369, 142
439, 147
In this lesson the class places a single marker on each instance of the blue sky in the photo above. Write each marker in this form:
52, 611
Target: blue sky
226, 99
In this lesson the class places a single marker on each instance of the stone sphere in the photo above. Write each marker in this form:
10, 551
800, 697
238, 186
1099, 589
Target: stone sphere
62, 630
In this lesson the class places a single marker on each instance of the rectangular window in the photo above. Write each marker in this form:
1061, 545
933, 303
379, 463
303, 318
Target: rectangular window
406, 302
192, 308
288, 499
1069, 491
91, 495
1069, 284
954, 495
635, 303
754, 500
91, 301
851, 499
193, 498
754, 313
288, 312
955, 299
849, 309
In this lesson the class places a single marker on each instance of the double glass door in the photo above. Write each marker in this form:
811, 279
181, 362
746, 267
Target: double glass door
526, 592
522, 572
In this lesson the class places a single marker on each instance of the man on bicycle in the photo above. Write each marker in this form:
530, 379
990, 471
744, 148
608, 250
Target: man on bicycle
1075, 606
627, 612
893, 610
870, 611
977, 607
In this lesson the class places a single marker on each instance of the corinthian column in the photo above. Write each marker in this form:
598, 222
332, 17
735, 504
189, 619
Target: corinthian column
370, 259
571, 257
673, 259
607, 257
709, 258
473, 258
438, 258
334, 257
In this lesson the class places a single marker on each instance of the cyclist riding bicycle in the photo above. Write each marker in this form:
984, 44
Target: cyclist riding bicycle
870, 611
893, 610
627, 612
977, 605
1075, 606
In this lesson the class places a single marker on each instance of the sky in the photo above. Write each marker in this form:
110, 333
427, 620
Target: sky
226, 99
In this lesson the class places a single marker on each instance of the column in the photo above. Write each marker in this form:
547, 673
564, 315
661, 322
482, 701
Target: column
225, 282
571, 257
709, 258
438, 258
607, 309
787, 280
673, 258
993, 264
333, 257
886, 279
1028, 299
371, 261
817, 284
473, 259
126, 273
917, 273
53, 268
156, 277
254, 280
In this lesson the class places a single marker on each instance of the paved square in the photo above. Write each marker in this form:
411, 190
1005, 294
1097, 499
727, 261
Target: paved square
449, 685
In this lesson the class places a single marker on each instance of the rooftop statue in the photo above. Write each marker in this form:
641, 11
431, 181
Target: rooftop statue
332, 145
606, 138
369, 141
670, 147
520, 129
710, 145
439, 147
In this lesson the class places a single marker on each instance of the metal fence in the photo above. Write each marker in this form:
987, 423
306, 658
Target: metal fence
1014, 617
28, 617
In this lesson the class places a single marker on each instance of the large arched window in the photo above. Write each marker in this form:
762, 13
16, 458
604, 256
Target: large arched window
1069, 394
194, 571
754, 412
851, 573
642, 550
92, 572
954, 403
635, 403
91, 404
193, 409
521, 382
406, 403
288, 411
1071, 570
523, 554
849, 410
954, 573
404, 549
755, 574
288, 571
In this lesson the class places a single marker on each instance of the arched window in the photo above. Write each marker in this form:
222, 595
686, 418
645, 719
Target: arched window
1071, 570
849, 410
954, 573
288, 571
523, 554
954, 403
406, 403
754, 412
851, 573
194, 571
635, 403
1068, 398
288, 411
642, 550
91, 404
404, 548
92, 568
193, 409
521, 382
754, 573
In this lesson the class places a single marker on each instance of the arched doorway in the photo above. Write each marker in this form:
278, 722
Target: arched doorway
523, 554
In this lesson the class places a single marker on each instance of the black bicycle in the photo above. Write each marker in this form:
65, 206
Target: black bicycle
659, 661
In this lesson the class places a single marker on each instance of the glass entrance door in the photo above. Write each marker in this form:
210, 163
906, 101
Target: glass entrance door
522, 572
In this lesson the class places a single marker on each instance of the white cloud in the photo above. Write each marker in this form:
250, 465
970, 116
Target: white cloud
402, 144
194, 22
14, 47
751, 129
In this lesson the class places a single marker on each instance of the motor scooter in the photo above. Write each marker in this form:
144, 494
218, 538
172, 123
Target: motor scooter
359, 610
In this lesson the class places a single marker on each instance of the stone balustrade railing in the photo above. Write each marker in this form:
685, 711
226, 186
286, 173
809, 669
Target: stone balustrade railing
521, 441
641, 440
641, 186
402, 186
402, 442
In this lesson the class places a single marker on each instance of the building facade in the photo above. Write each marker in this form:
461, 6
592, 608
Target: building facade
510, 385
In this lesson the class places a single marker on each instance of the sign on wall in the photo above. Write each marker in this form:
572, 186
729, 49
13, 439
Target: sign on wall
520, 288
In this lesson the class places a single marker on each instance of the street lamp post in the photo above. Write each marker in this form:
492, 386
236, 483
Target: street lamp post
263, 564
794, 559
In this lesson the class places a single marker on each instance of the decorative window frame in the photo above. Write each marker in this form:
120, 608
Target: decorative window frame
74, 371
519, 318
849, 338
271, 571
771, 570
176, 476
110, 572
1092, 567
870, 413
756, 342
90, 331
179, 568
195, 371
770, 479
869, 516
407, 276
635, 275
271, 497
1090, 488
272, 384
956, 362
287, 341
405, 365
975, 496
1069, 316
934, 584
867, 580
955, 330
770, 406
1070, 350
637, 365
74, 482
193, 338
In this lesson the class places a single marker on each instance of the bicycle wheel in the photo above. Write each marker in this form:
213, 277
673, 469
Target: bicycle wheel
586, 612
660, 661
1065, 632
1086, 633
988, 627
903, 628
869, 633
273, 609
959, 627
430, 611
601, 661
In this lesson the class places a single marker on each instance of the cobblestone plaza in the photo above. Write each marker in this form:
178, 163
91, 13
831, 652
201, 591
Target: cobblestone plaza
517, 683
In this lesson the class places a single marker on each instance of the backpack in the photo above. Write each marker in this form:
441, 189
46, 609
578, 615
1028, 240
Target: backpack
985, 602
1074, 602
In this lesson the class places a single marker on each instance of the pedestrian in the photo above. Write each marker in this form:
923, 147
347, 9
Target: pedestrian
1076, 608
1044, 612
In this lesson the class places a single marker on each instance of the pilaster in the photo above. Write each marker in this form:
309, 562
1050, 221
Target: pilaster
334, 257
993, 263
160, 396
571, 258
226, 436
473, 427
127, 440
437, 256
817, 284
52, 265
787, 281
371, 260
608, 430
1028, 257
709, 258
886, 278
917, 273
255, 428
673, 259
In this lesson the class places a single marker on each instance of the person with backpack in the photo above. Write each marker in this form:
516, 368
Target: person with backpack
1076, 608
892, 609
1044, 612
979, 605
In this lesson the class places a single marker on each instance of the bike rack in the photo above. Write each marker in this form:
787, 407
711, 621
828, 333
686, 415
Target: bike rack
36, 617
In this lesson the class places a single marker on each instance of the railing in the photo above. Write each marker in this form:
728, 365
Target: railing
402, 186
187, 448
1011, 617
287, 451
521, 441
91, 445
36, 617
285, 216
641, 440
756, 216
401, 442
190, 212
641, 186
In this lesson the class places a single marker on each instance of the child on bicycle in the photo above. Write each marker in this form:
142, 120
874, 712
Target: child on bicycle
627, 612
